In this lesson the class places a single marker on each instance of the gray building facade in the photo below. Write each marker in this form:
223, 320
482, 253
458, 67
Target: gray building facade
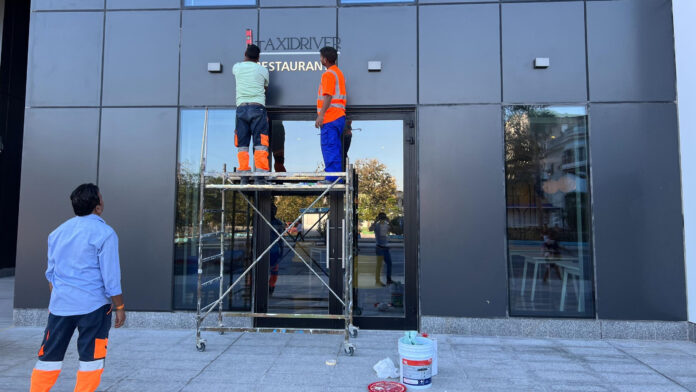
109, 83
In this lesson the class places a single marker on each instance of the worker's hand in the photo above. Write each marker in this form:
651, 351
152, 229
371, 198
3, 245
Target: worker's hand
120, 318
319, 122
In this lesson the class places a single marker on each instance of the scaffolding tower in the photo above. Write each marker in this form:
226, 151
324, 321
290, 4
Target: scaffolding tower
294, 182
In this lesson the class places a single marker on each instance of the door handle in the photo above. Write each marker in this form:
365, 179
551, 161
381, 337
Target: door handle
410, 140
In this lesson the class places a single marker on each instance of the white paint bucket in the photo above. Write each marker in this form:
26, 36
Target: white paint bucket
416, 362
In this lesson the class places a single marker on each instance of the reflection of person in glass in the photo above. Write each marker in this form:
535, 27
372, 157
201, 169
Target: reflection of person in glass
552, 250
276, 250
278, 145
381, 227
252, 120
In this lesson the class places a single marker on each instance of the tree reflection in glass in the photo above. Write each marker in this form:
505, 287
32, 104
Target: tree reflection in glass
238, 216
548, 216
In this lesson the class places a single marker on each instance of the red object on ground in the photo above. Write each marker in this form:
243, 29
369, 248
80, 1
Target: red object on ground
386, 386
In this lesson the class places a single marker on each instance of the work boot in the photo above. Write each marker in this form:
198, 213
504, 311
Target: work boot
261, 181
244, 180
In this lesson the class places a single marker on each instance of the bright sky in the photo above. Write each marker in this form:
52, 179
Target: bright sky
371, 139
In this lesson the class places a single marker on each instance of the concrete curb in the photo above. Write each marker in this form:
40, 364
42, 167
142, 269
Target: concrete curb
151, 320
561, 328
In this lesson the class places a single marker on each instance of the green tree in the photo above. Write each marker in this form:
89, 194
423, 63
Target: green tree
289, 206
376, 190
527, 131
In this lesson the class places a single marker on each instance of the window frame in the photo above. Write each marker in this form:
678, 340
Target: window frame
198, 6
590, 310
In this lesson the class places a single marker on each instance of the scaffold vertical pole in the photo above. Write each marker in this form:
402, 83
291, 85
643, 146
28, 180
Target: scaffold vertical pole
200, 343
222, 245
347, 253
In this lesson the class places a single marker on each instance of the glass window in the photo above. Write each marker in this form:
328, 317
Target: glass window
377, 151
548, 211
238, 229
375, 1
193, 3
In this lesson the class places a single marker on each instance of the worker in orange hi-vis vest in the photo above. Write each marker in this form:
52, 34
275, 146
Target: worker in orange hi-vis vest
84, 277
331, 111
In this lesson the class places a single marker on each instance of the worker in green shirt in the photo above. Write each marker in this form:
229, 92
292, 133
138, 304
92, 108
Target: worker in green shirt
252, 119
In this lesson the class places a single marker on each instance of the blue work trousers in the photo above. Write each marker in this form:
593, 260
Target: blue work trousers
331, 146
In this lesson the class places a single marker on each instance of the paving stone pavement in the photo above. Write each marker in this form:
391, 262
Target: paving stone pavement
166, 360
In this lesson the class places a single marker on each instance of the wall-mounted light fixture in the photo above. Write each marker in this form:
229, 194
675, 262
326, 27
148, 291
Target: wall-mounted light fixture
374, 66
542, 62
214, 67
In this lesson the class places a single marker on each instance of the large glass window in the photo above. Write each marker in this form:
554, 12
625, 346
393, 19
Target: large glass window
377, 151
375, 1
193, 3
548, 211
238, 241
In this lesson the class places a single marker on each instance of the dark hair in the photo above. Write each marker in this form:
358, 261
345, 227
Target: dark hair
252, 52
84, 199
382, 215
329, 53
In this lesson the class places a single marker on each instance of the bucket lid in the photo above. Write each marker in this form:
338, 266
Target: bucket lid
386, 386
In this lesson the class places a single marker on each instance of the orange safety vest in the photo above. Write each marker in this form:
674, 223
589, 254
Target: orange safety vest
332, 81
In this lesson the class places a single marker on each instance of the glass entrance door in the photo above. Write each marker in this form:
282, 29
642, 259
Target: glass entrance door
381, 148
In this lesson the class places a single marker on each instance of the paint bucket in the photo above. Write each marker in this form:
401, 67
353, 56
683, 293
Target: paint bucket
416, 362
425, 335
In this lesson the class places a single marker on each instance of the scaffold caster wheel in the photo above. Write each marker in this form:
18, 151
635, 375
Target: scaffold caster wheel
200, 347
353, 331
349, 349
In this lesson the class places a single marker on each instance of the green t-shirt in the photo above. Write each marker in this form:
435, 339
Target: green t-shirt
251, 78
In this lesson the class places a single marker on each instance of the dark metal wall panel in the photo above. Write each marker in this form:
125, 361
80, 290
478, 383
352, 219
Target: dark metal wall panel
631, 50
60, 153
210, 36
65, 52
299, 87
137, 167
2, 19
462, 211
133, 4
296, 3
386, 34
141, 58
38, 5
639, 248
553, 30
465, 35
